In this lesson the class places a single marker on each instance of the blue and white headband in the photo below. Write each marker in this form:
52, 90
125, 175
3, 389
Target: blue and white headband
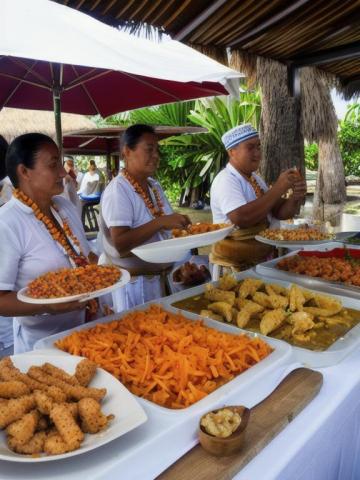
238, 134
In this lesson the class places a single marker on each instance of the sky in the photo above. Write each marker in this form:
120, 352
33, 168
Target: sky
339, 104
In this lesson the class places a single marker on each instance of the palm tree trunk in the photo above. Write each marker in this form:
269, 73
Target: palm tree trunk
281, 137
330, 192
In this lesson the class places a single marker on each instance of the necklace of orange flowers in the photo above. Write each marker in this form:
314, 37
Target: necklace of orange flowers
259, 192
60, 235
156, 211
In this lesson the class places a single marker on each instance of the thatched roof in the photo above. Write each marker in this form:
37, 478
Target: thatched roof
14, 122
325, 33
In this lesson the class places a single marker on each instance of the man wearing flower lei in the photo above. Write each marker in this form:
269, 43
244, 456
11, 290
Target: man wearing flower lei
40, 231
135, 211
239, 196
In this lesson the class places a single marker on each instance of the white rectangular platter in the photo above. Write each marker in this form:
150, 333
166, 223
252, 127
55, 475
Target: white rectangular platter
168, 434
333, 355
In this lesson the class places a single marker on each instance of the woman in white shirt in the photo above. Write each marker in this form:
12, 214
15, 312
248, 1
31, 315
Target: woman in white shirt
239, 196
135, 211
39, 231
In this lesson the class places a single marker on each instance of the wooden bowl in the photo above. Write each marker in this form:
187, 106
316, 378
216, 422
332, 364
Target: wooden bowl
222, 447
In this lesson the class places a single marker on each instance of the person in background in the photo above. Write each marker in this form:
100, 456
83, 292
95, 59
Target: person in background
135, 211
6, 323
239, 196
40, 231
92, 182
70, 184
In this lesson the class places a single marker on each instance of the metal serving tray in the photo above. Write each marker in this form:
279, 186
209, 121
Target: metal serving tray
269, 269
316, 359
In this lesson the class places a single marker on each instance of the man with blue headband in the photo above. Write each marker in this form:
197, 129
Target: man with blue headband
239, 196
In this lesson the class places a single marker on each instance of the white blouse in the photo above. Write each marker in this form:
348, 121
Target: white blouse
27, 250
121, 206
229, 191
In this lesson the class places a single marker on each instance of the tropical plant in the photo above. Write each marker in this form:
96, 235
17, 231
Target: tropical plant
201, 156
349, 141
311, 152
353, 113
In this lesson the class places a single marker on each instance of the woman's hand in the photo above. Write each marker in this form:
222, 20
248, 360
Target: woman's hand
175, 220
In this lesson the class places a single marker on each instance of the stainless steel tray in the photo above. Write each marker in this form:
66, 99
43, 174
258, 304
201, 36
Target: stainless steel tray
315, 359
313, 283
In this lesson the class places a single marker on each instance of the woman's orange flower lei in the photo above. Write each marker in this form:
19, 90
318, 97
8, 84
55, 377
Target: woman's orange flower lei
156, 211
57, 234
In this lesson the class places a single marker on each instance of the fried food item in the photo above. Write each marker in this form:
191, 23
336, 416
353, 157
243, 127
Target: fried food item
274, 288
13, 389
194, 229
278, 301
92, 418
210, 314
55, 445
59, 373
262, 299
243, 318
58, 395
223, 308
12, 373
301, 322
249, 287
85, 371
66, 425
34, 446
295, 234
336, 320
77, 392
297, 298
44, 402
227, 282
23, 429
318, 312
329, 303
15, 409
272, 320
250, 306
217, 295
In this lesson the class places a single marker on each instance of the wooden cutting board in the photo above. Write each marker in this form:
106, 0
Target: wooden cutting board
267, 419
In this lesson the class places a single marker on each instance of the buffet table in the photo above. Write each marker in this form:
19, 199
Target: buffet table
321, 443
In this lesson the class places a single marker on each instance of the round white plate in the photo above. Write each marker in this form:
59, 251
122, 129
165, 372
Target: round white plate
81, 297
119, 401
176, 249
289, 243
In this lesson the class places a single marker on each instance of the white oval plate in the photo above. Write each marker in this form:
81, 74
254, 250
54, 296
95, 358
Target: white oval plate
81, 297
284, 243
119, 401
176, 249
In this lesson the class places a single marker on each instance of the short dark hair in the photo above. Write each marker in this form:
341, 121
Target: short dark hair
3, 149
132, 135
22, 151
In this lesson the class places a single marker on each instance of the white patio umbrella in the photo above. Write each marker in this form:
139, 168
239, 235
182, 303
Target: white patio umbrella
52, 56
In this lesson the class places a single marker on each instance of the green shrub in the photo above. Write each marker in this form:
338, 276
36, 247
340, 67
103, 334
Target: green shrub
312, 156
349, 142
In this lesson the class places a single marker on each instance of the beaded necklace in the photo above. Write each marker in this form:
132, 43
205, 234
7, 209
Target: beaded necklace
259, 192
156, 211
60, 235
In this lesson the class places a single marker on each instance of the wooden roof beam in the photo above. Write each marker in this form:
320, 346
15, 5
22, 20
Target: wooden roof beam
327, 56
202, 17
259, 29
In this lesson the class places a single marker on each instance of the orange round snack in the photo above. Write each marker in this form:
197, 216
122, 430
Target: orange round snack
196, 228
73, 281
294, 235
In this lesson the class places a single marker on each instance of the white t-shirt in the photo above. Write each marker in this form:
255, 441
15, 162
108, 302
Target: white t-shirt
6, 190
26, 251
91, 183
121, 206
229, 191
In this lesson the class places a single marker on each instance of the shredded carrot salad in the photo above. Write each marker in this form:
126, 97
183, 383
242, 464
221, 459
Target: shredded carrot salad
165, 357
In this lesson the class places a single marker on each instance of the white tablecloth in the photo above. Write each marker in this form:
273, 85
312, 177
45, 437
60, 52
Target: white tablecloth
322, 443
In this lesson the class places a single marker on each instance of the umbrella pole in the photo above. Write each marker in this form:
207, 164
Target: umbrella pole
57, 113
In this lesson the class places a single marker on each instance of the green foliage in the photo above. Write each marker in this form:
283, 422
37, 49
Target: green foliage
311, 156
353, 113
349, 141
192, 160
